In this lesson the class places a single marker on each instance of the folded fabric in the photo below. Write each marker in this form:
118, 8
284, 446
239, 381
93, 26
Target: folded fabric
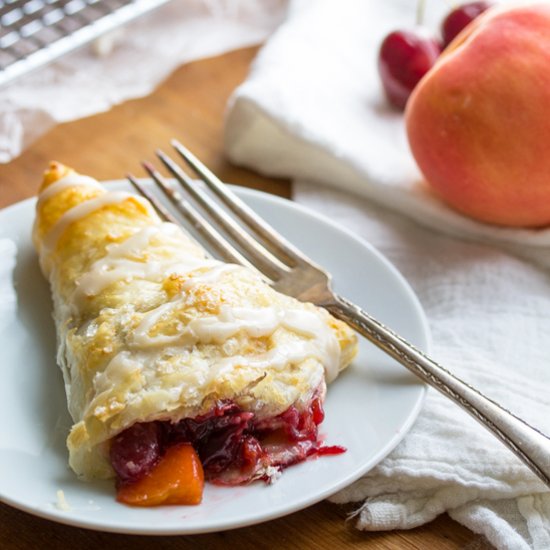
488, 314
313, 110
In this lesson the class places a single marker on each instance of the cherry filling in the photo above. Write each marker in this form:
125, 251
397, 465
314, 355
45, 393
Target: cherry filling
233, 445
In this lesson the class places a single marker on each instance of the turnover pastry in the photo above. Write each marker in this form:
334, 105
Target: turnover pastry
175, 365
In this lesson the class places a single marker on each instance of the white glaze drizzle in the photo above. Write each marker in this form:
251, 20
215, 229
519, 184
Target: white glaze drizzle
72, 180
318, 340
125, 261
81, 210
215, 270
209, 329
281, 356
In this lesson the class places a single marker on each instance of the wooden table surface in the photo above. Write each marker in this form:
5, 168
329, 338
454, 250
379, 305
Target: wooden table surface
190, 105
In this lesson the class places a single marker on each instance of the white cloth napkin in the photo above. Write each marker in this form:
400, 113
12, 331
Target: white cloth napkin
489, 316
312, 109
129, 63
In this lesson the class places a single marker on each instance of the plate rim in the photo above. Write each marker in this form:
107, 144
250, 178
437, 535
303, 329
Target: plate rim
60, 516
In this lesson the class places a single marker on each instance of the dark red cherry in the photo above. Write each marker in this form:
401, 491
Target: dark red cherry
460, 18
404, 58
135, 451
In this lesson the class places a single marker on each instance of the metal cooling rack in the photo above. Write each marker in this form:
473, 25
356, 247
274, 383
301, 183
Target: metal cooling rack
34, 32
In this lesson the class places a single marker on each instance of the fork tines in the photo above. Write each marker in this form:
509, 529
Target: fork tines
222, 248
261, 246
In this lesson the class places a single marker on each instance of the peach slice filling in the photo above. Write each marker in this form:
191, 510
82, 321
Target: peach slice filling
177, 478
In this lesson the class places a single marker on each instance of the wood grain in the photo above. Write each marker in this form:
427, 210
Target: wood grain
190, 105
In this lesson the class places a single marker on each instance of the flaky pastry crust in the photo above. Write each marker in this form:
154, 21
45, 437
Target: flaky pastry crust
150, 328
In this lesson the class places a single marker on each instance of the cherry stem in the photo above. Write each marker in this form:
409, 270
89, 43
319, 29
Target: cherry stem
420, 9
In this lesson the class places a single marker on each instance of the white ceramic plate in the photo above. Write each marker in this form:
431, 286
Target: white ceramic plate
369, 407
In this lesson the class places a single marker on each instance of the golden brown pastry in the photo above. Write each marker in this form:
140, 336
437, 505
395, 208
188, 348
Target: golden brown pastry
161, 345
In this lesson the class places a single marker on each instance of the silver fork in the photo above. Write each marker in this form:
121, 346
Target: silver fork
292, 272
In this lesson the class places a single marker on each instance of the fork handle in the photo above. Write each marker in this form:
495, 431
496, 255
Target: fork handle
528, 443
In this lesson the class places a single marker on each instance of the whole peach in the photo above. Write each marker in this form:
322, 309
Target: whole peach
479, 122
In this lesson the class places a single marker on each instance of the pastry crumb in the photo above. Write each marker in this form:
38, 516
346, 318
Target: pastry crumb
273, 474
61, 503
